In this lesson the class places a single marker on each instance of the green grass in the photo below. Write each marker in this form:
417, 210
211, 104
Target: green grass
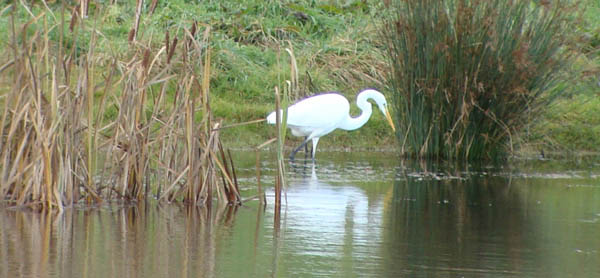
336, 47
571, 125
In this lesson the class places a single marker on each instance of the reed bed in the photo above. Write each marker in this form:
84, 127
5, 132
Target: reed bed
81, 127
468, 75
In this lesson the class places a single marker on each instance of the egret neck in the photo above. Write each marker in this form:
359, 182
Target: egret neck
351, 123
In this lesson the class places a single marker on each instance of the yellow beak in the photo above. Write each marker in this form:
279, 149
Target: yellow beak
389, 118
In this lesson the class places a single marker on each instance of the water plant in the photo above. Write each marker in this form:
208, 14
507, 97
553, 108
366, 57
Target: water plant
78, 126
467, 75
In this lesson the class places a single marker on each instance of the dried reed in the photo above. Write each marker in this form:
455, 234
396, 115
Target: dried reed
80, 127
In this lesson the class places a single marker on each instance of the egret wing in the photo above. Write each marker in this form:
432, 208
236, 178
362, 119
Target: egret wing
319, 111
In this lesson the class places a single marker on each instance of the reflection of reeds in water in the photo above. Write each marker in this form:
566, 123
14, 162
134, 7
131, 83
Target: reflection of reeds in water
77, 126
445, 208
135, 241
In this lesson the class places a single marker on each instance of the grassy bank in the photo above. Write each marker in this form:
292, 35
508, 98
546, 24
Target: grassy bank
337, 49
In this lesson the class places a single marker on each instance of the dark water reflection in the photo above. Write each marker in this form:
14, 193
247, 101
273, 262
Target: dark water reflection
484, 223
353, 215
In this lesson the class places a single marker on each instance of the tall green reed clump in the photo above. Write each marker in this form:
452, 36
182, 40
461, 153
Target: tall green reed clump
59, 143
468, 74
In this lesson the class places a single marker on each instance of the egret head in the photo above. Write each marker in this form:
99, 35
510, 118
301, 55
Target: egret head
381, 103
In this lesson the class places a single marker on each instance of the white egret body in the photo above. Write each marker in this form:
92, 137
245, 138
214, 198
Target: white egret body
319, 115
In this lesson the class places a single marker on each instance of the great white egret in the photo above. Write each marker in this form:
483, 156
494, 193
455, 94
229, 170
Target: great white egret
321, 114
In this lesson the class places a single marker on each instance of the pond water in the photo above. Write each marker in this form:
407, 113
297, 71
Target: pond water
352, 215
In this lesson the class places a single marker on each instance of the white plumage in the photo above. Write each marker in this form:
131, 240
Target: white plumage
319, 115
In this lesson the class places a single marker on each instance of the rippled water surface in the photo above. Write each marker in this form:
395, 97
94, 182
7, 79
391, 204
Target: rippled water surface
351, 215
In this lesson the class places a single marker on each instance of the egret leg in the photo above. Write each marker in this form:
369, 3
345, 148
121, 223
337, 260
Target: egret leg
306, 148
293, 154
315, 141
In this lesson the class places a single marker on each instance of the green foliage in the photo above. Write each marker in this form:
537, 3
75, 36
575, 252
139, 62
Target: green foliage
468, 74
335, 44
572, 124
249, 38
590, 28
